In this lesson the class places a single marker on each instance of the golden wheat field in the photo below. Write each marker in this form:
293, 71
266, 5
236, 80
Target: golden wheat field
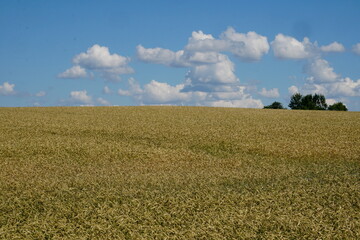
178, 173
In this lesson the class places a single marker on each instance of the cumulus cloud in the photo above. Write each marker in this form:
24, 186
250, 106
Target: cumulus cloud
103, 102
211, 79
80, 97
161, 56
333, 47
74, 72
323, 80
344, 87
40, 94
271, 93
99, 59
176, 59
286, 47
154, 92
122, 92
330, 101
204, 48
134, 88
320, 71
293, 89
201, 42
158, 92
222, 72
356, 48
106, 90
242, 103
249, 47
7, 89
210, 70
163, 93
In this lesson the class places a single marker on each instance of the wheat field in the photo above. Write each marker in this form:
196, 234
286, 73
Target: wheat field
162, 172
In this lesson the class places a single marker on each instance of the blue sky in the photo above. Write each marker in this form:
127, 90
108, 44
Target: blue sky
200, 53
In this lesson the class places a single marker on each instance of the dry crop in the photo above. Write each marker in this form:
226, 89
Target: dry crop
178, 173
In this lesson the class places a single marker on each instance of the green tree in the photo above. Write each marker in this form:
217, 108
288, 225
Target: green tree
319, 101
295, 101
339, 106
308, 102
274, 105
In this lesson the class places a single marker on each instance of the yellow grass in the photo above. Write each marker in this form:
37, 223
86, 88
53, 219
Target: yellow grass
178, 173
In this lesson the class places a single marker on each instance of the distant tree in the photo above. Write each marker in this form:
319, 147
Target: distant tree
274, 105
295, 101
308, 102
320, 102
339, 106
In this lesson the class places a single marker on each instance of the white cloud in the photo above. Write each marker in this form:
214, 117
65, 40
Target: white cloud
211, 78
210, 70
319, 70
122, 92
356, 48
177, 59
80, 97
7, 89
40, 94
205, 49
243, 103
196, 36
344, 87
134, 86
157, 92
161, 56
162, 93
229, 93
154, 92
206, 68
195, 58
200, 42
323, 80
222, 72
333, 47
293, 89
107, 90
99, 59
249, 47
74, 72
272, 93
287, 47
102, 101
330, 101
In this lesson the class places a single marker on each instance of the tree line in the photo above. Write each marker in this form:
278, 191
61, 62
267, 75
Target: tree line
308, 102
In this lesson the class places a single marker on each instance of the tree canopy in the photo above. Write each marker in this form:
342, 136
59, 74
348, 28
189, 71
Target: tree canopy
295, 101
313, 102
275, 105
308, 102
339, 106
